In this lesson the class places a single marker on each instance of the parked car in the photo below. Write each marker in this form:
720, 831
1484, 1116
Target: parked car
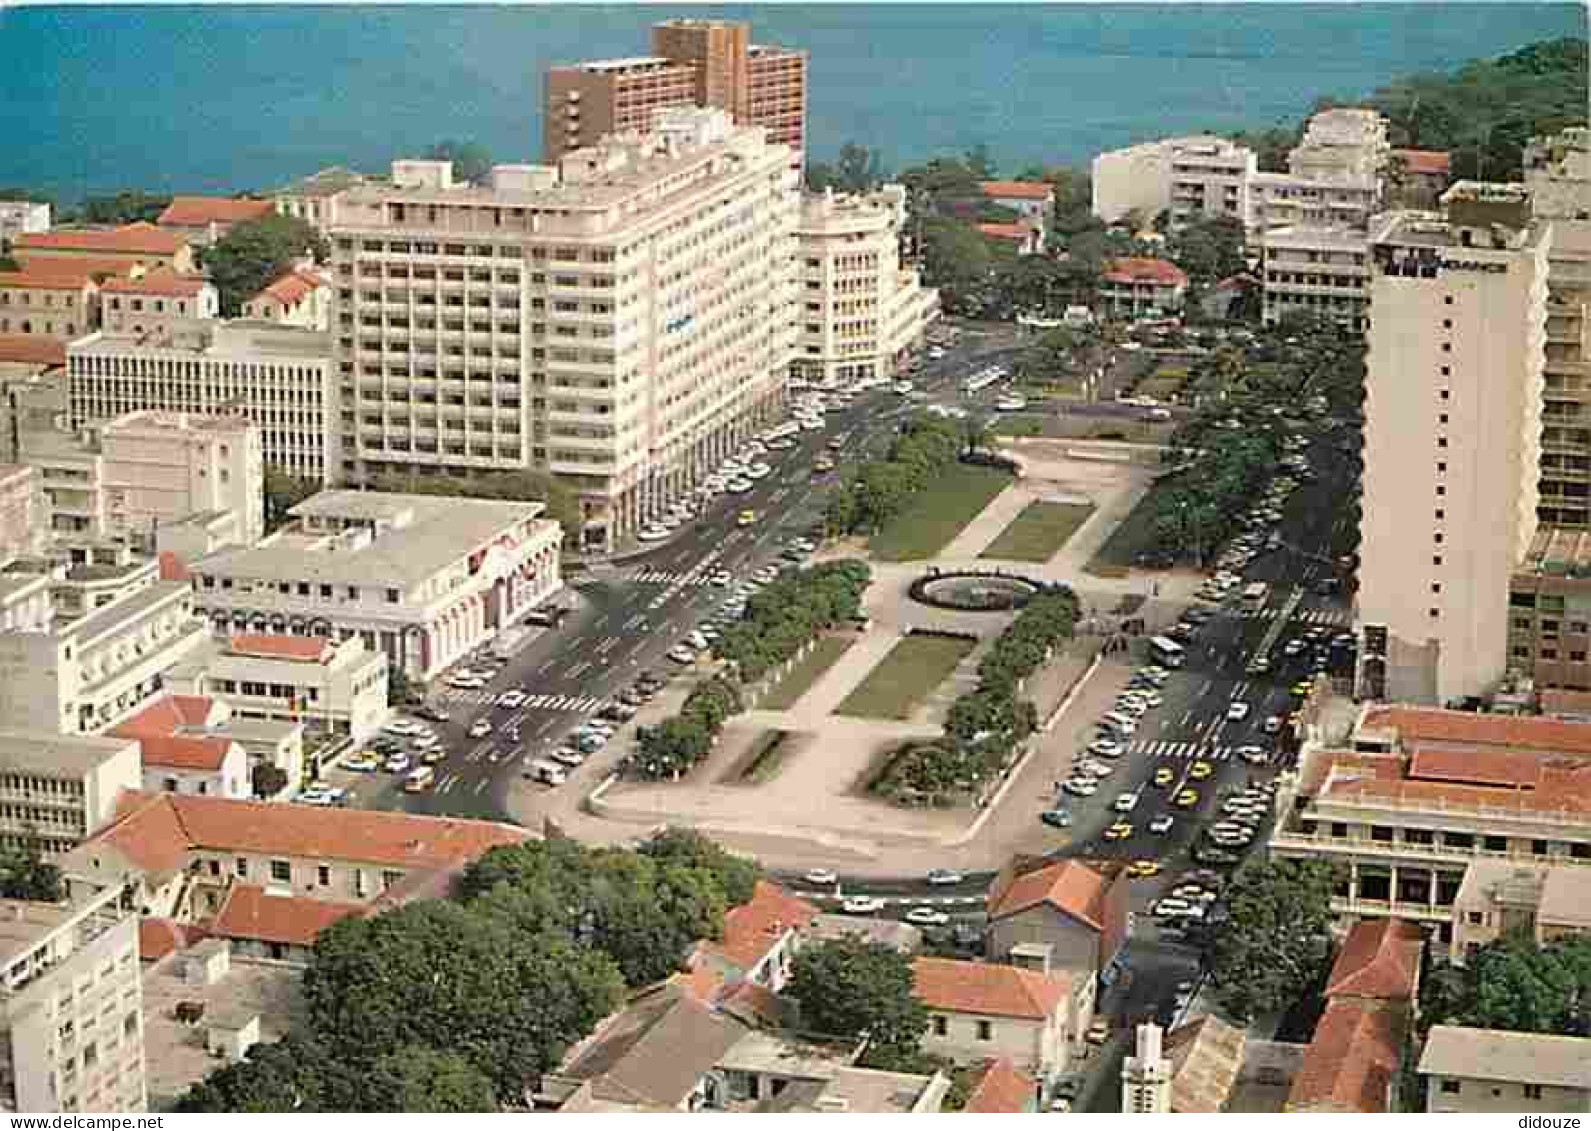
862, 905
821, 877
927, 917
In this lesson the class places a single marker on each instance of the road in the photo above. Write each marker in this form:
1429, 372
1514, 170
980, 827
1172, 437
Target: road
632, 612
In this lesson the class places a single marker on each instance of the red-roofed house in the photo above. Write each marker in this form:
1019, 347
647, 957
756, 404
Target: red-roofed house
26, 355
160, 937
301, 297
183, 852
1070, 915
179, 757
138, 244
1022, 237
149, 301
1422, 175
205, 219
982, 1009
1352, 1059
760, 939
1033, 200
48, 303
999, 1089
1136, 286
263, 924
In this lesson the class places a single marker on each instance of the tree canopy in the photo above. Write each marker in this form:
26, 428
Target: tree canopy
1513, 984
1276, 943
253, 254
127, 207
24, 874
471, 161
857, 169
283, 492
853, 988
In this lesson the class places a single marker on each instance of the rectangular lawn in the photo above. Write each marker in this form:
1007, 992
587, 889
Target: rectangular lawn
905, 677
806, 672
1038, 532
936, 515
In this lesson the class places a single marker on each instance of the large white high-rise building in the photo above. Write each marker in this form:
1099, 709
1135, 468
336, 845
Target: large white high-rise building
1451, 439
1146, 1075
620, 321
861, 307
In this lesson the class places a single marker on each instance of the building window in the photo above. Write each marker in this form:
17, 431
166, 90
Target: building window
985, 1030
388, 879
242, 866
392, 596
1532, 1091
1495, 843
941, 1026
282, 871
323, 875
1476, 918
1450, 1087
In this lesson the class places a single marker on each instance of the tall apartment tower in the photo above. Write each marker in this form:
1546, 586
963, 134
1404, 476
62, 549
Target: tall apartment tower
710, 63
621, 321
1451, 440
1146, 1075
71, 1007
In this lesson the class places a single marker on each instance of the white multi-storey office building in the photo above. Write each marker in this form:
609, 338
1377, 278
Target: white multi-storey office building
279, 377
620, 321
1458, 314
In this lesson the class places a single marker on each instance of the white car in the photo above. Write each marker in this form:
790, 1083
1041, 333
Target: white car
466, 682
758, 471
740, 486
480, 728
1105, 748
511, 699
403, 727
821, 877
944, 877
653, 533
927, 917
681, 654
1010, 404
903, 387
1126, 803
1080, 787
1236, 712
862, 905
1162, 824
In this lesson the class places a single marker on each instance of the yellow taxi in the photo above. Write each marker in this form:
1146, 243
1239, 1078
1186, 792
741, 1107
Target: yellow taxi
746, 518
1143, 869
1200, 770
822, 464
1121, 830
1187, 799
1165, 775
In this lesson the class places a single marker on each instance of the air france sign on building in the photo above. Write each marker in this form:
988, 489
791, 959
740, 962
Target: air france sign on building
1474, 265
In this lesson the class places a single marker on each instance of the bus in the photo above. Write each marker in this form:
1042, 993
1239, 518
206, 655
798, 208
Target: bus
1255, 592
1166, 652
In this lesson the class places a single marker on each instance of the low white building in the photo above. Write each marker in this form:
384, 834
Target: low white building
19, 216
423, 579
87, 675
158, 301
301, 297
1315, 270
338, 687
978, 1010
1492, 1070
1032, 200
1134, 286
862, 308
59, 789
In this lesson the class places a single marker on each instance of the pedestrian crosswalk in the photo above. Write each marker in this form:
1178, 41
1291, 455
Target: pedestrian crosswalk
1330, 618
667, 577
1185, 750
583, 704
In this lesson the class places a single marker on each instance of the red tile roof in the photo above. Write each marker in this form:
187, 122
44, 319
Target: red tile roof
1351, 1061
1070, 887
161, 281
1563, 701
1380, 958
1425, 162
135, 239
1142, 269
1019, 232
1476, 767
249, 913
158, 831
29, 349
954, 986
183, 752
173, 568
1018, 190
300, 648
36, 278
1430, 725
291, 287
197, 211
158, 937
167, 715
755, 927
1002, 1090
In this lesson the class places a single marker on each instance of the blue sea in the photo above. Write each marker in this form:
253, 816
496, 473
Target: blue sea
237, 97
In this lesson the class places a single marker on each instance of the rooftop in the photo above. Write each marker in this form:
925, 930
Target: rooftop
1018, 190
197, 211
1558, 552
1001, 1089
1557, 895
955, 986
1424, 162
1493, 1054
891, 932
1379, 959
1016, 231
292, 287
161, 281
55, 755
1141, 269
299, 649
252, 913
24, 923
30, 349
326, 182
755, 927
1352, 1059
140, 238
1071, 887
1206, 1056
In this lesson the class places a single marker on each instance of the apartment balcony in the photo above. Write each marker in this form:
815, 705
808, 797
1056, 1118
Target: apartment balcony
1393, 908
581, 369
1405, 852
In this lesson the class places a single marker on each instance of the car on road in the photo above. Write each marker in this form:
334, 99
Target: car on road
406, 728
1095, 769
568, 756
480, 728
1126, 803
1079, 787
927, 917
944, 877
1259, 665
1186, 799
1253, 755
1213, 854
399, 763
1162, 824
1236, 712
681, 654
746, 518
1272, 724
512, 699
1143, 869
862, 905
1121, 830
1056, 818
1106, 748
1164, 776
1200, 770
821, 876
654, 532
1117, 723
1149, 699
466, 682
1010, 404
366, 761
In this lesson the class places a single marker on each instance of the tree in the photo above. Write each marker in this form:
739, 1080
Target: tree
736, 875
294, 1074
24, 874
421, 1079
978, 162
251, 255
283, 492
851, 988
127, 207
7, 261
1512, 984
1277, 940
471, 162
268, 779
858, 169
1210, 250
